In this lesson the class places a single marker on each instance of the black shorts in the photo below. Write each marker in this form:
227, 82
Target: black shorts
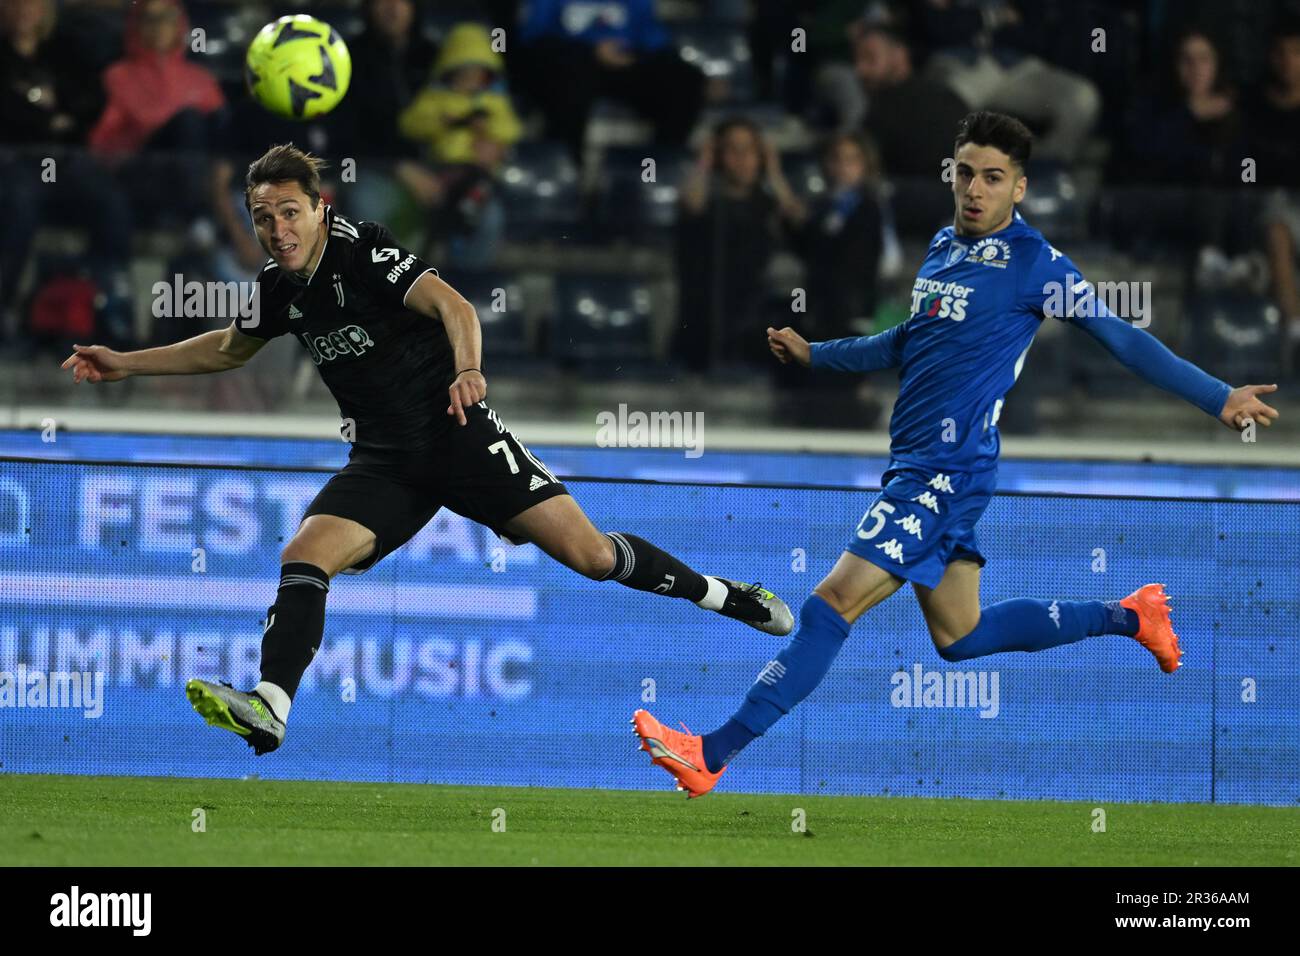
479, 470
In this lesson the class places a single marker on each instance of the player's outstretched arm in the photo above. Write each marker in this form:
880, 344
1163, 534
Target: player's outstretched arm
1149, 359
217, 351
432, 297
866, 353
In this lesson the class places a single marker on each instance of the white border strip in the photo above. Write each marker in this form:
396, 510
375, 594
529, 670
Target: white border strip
202, 593
1219, 449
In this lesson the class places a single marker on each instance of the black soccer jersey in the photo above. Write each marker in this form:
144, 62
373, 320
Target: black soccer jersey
387, 367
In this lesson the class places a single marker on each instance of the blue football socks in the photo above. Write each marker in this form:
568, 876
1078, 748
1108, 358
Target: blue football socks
1026, 625
797, 670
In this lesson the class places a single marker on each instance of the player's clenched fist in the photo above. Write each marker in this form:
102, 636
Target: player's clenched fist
789, 346
96, 363
469, 388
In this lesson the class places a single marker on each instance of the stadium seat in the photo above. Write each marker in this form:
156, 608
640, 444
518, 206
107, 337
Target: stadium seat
1157, 219
498, 298
1053, 204
75, 297
1234, 333
540, 186
803, 170
601, 322
1141, 217
922, 206
721, 52
735, 13
629, 208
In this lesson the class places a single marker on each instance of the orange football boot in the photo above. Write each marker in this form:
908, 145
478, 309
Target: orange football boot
1155, 630
681, 754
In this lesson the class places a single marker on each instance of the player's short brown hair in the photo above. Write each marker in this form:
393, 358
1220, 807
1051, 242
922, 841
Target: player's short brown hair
282, 164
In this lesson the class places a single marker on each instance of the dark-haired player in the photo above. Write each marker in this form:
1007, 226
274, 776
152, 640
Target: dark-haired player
986, 284
400, 351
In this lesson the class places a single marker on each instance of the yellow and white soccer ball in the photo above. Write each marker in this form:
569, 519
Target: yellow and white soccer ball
298, 67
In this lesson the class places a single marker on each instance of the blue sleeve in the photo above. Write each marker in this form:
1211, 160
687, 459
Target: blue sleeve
541, 18
1054, 288
1147, 357
867, 353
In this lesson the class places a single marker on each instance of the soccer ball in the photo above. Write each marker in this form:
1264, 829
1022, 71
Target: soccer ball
298, 67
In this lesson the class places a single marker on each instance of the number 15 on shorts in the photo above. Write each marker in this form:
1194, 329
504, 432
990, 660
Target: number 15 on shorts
877, 515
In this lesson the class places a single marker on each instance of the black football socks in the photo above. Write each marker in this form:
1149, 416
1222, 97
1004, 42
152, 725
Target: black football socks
638, 564
292, 634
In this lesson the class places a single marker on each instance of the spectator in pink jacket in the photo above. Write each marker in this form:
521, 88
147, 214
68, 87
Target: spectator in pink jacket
156, 97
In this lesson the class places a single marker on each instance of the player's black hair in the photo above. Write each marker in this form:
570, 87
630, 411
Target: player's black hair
282, 164
986, 128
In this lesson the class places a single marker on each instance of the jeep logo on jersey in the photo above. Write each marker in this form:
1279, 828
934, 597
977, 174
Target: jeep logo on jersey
945, 300
379, 255
396, 271
349, 340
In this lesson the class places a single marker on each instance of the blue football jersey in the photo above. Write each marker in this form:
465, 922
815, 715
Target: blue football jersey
976, 304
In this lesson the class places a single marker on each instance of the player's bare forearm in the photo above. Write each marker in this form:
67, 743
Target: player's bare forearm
469, 386
214, 351
461, 322
199, 355
434, 298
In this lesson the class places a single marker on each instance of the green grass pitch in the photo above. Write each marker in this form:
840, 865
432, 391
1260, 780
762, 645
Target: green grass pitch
107, 821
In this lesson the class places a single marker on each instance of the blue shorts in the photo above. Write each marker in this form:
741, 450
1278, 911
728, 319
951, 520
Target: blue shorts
923, 519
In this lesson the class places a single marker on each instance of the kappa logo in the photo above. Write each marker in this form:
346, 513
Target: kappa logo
942, 482
911, 524
1054, 612
928, 500
379, 255
893, 549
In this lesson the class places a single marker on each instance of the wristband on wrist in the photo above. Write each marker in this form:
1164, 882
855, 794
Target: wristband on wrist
464, 370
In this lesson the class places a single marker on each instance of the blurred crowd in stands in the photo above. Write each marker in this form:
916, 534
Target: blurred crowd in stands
654, 183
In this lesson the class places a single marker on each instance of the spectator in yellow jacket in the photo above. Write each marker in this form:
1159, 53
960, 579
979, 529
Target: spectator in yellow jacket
466, 118
463, 114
